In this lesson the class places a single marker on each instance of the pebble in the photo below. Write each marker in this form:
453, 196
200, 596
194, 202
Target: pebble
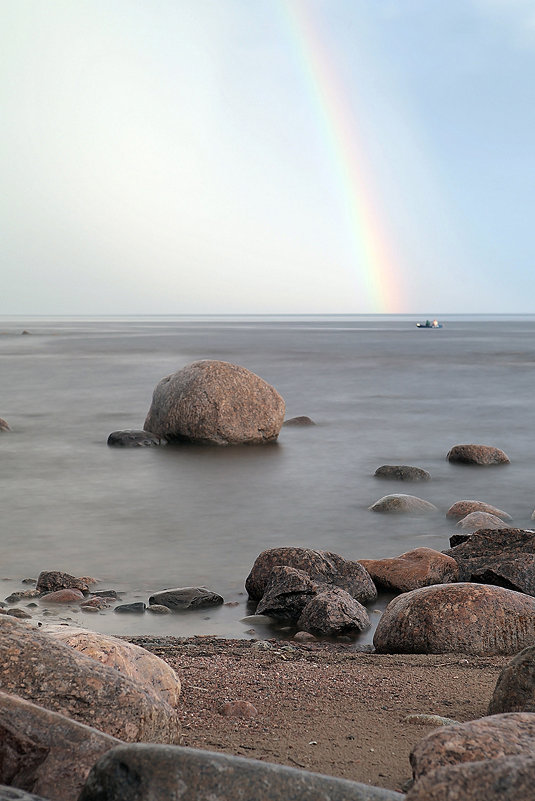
262, 645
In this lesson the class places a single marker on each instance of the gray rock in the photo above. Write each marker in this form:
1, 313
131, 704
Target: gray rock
323, 567
158, 609
50, 674
150, 773
136, 608
515, 688
402, 472
37, 747
400, 504
333, 613
14, 794
130, 438
460, 509
303, 420
216, 403
457, 618
476, 520
505, 557
287, 593
477, 454
182, 598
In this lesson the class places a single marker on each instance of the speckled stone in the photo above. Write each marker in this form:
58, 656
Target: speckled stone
515, 688
509, 778
37, 748
476, 520
131, 438
400, 504
321, 566
287, 593
183, 598
136, 608
413, 569
477, 454
485, 738
217, 403
52, 580
147, 772
460, 509
333, 613
457, 618
63, 597
37, 667
402, 472
505, 557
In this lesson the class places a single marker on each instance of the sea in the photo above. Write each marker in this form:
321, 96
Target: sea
380, 390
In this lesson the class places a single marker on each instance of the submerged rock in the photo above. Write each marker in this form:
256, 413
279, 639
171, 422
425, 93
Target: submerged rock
303, 420
216, 403
130, 438
402, 472
477, 454
183, 598
476, 520
3, 425
403, 504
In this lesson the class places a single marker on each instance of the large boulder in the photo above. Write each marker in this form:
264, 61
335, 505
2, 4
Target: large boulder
509, 778
402, 472
400, 504
485, 738
287, 593
136, 663
180, 599
216, 403
321, 566
477, 454
413, 569
505, 557
50, 674
147, 772
515, 688
460, 509
457, 618
44, 752
333, 613
53, 580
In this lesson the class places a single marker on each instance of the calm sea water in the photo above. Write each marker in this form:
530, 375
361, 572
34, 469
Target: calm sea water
380, 390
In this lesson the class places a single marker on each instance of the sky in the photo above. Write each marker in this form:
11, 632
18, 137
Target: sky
267, 156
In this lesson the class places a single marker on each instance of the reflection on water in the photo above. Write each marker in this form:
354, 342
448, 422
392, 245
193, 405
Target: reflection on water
381, 391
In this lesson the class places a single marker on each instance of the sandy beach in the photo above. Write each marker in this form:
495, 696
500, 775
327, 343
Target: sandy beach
322, 707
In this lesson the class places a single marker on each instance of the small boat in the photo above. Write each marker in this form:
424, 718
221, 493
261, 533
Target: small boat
429, 324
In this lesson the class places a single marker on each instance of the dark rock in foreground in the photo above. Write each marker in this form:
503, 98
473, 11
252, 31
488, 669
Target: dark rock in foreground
136, 608
287, 593
44, 752
131, 438
505, 779
402, 472
505, 557
146, 772
485, 738
457, 618
321, 566
412, 570
183, 598
515, 688
216, 403
36, 667
333, 613
477, 454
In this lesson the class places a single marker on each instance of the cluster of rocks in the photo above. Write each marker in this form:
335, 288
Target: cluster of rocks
54, 588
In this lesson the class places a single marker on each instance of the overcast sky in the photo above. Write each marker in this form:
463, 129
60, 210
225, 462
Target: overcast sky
267, 156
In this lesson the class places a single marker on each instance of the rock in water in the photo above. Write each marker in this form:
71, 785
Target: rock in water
45, 752
147, 772
182, 598
412, 570
476, 520
462, 508
36, 667
402, 472
130, 438
477, 454
457, 618
52, 580
333, 613
400, 504
3, 425
216, 403
515, 688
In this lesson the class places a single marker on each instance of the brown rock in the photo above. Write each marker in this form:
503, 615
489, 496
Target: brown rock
462, 508
287, 593
20, 613
52, 580
476, 520
400, 504
3, 425
486, 738
505, 557
457, 618
97, 603
402, 472
477, 454
321, 566
333, 613
44, 752
63, 597
418, 568
506, 779
515, 688
51, 674
181, 598
149, 671
239, 709
217, 403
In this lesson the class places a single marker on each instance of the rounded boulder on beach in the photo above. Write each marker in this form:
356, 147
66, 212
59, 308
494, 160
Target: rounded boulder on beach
218, 403
457, 618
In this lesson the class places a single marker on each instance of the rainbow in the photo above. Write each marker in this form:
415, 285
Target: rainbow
374, 265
